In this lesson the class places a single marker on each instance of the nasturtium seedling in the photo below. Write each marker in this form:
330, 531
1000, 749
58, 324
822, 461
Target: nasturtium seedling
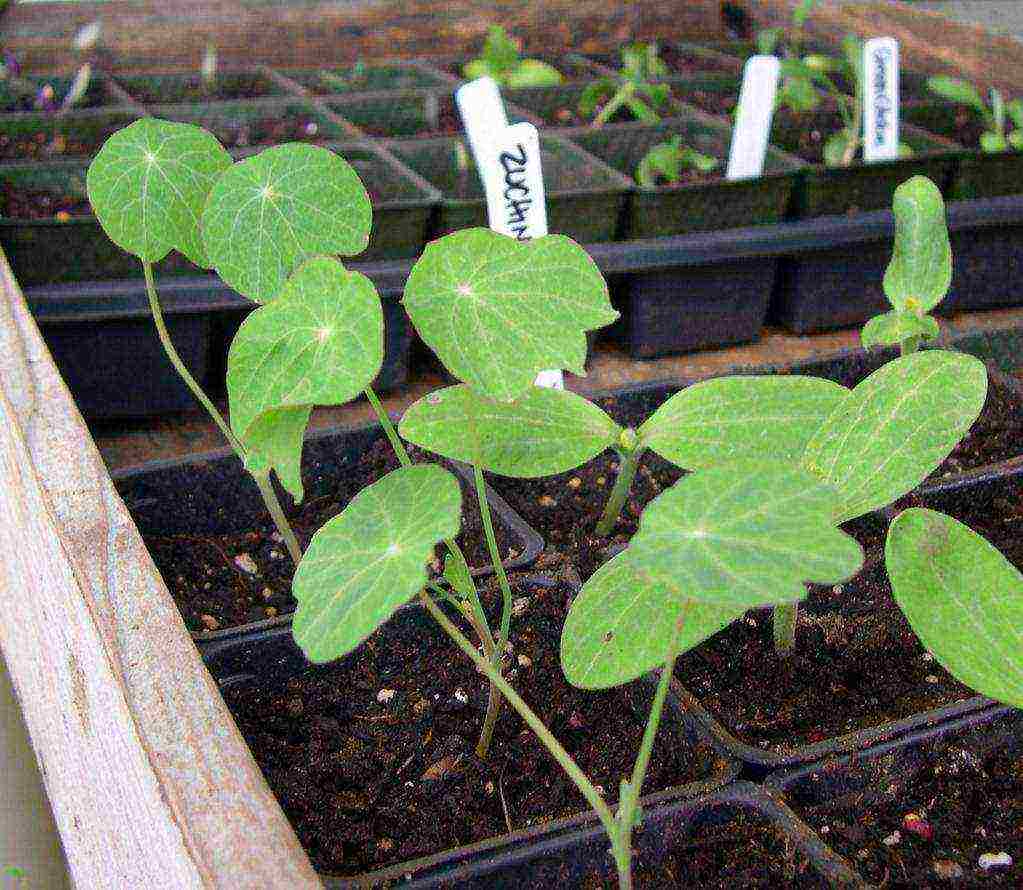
148, 186
320, 342
730, 538
896, 427
994, 139
270, 212
497, 311
963, 599
500, 60
543, 432
371, 558
667, 161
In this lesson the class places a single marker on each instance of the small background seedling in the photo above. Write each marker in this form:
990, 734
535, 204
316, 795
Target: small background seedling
500, 60
995, 116
634, 88
668, 161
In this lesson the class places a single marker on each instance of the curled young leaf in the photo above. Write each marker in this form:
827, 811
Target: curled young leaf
270, 212
896, 427
718, 542
148, 186
499, 311
898, 326
545, 431
321, 342
920, 272
740, 417
274, 440
371, 558
963, 599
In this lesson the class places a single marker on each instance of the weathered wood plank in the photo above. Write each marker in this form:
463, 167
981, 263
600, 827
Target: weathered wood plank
150, 782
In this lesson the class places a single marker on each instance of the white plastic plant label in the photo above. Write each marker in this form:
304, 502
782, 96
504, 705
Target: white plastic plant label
881, 99
753, 117
508, 158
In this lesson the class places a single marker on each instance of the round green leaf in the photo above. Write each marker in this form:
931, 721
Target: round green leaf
920, 272
896, 427
270, 212
544, 432
371, 558
499, 311
621, 624
740, 417
148, 186
962, 598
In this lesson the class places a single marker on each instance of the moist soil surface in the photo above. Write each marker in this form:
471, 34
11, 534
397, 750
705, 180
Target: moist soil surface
682, 60
226, 580
717, 102
270, 131
20, 203
46, 146
373, 760
448, 123
194, 90
969, 805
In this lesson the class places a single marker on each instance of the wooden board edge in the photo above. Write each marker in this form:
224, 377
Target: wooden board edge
150, 781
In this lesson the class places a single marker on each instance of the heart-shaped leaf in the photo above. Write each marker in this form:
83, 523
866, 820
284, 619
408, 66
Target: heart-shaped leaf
498, 311
321, 342
898, 326
920, 272
962, 598
620, 626
546, 431
740, 417
371, 558
718, 542
270, 212
148, 186
896, 427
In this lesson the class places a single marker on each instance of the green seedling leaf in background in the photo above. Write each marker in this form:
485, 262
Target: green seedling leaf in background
896, 427
994, 139
321, 342
920, 272
371, 558
497, 311
668, 160
898, 326
959, 91
543, 432
963, 599
724, 539
500, 60
740, 418
148, 186
270, 212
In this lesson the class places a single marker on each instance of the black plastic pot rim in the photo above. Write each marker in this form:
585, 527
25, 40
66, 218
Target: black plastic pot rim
533, 544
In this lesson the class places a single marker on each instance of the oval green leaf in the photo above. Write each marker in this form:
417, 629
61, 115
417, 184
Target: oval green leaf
371, 558
896, 427
920, 272
270, 212
497, 311
546, 431
148, 186
741, 417
963, 599
321, 342
898, 326
621, 624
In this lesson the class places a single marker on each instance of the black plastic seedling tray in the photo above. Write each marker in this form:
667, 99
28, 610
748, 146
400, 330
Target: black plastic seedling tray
585, 198
398, 75
103, 340
102, 92
33, 136
177, 89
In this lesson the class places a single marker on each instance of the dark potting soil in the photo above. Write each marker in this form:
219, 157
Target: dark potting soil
373, 758
748, 851
193, 90
692, 176
685, 61
226, 580
21, 203
717, 102
964, 806
448, 123
269, 131
42, 146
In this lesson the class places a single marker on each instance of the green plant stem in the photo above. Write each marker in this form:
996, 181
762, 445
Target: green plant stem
564, 759
909, 345
495, 558
475, 614
785, 619
614, 103
273, 505
628, 463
